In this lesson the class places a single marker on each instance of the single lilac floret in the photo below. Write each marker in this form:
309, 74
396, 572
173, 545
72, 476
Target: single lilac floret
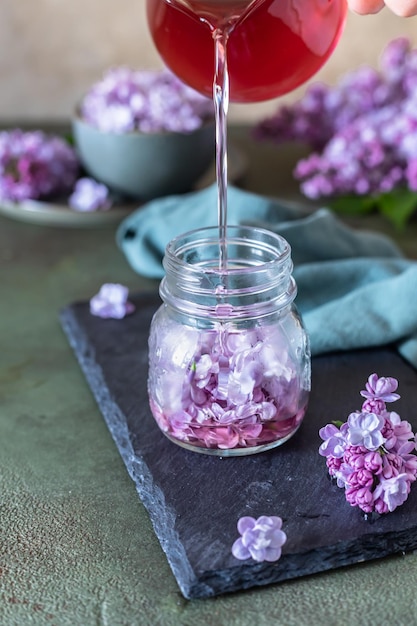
365, 430
334, 441
381, 388
89, 195
111, 302
261, 539
393, 491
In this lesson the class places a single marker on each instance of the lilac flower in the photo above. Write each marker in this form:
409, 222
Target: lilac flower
363, 130
374, 406
89, 195
381, 388
343, 474
126, 100
411, 173
333, 465
372, 455
393, 491
365, 430
357, 159
354, 456
392, 464
393, 59
361, 478
409, 465
373, 462
400, 433
111, 301
352, 469
35, 166
334, 441
261, 539
361, 497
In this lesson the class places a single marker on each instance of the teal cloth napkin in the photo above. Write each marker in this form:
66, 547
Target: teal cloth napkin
355, 289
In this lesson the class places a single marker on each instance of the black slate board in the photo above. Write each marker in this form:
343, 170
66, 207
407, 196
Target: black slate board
195, 500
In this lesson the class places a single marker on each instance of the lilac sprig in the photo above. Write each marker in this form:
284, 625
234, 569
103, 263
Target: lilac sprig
363, 132
372, 455
35, 166
127, 100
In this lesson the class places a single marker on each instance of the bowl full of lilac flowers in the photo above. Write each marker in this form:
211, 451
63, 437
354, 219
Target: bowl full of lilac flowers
372, 456
144, 134
362, 133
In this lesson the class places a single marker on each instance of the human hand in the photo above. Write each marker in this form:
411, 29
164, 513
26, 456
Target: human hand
403, 8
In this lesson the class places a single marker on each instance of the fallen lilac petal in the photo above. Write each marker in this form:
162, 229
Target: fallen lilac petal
111, 302
89, 195
262, 538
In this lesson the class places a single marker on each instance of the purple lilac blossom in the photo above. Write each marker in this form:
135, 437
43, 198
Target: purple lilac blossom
365, 430
398, 434
393, 491
381, 388
127, 100
89, 195
224, 388
35, 166
334, 441
261, 539
363, 130
372, 455
111, 302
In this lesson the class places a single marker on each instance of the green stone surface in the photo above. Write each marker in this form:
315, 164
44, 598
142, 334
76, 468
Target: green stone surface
76, 545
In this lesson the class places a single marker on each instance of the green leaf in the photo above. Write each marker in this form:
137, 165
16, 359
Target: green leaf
398, 206
69, 138
353, 204
337, 423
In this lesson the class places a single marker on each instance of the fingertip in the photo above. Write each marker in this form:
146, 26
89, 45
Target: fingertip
366, 7
402, 8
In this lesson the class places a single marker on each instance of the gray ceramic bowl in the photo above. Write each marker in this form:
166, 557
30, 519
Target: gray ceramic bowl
145, 166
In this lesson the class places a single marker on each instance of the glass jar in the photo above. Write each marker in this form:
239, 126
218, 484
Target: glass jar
229, 359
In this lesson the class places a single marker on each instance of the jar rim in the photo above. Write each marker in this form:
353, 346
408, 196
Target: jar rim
261, 238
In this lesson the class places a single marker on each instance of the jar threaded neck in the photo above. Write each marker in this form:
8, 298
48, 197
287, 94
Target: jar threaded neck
256, 282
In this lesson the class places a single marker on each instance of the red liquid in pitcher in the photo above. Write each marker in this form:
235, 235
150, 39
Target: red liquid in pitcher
276, 46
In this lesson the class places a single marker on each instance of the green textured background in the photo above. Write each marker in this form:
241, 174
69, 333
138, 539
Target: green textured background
76, 545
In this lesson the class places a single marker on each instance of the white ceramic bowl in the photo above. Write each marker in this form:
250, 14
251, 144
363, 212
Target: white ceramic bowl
145, 165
